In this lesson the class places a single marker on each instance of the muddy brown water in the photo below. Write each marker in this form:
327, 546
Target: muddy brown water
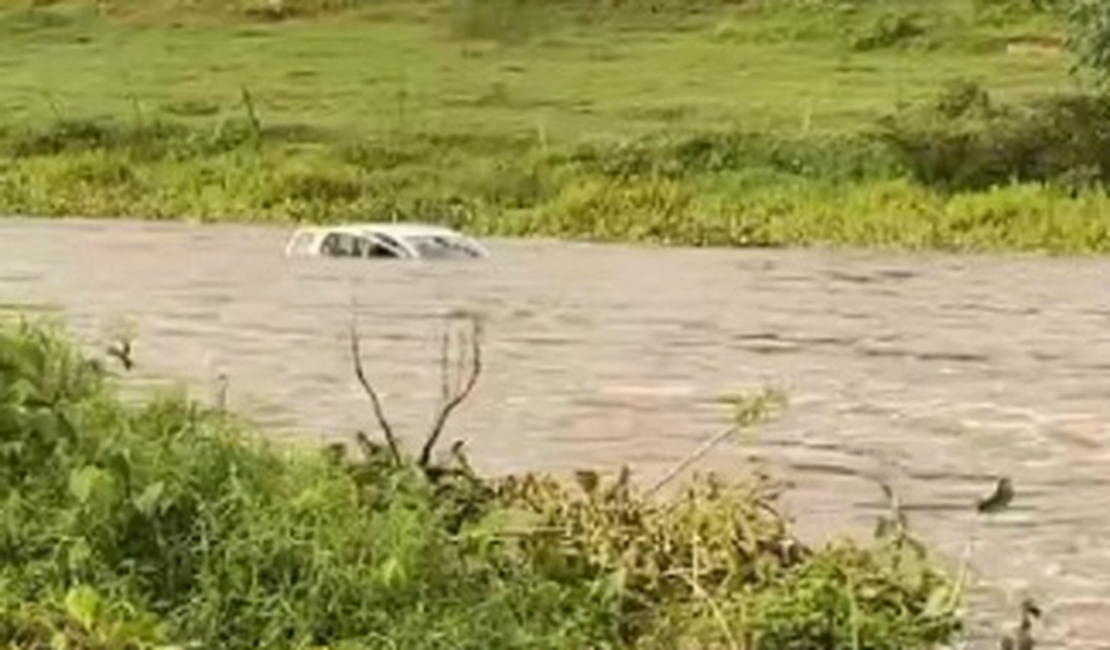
936, 372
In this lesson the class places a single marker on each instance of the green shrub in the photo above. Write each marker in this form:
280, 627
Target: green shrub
137, 526
1089, 35
700, 188
151, 141
889, 30
501, 20
686, 155
963, 141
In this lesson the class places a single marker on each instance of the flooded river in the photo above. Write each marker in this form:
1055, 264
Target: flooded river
936, 372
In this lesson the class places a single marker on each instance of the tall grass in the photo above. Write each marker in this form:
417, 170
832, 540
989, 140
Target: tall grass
964, 170
961, 171
172, 522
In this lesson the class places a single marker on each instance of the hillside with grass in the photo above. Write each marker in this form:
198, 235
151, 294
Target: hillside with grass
957, 125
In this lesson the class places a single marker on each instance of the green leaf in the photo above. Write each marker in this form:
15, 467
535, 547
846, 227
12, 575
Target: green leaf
65, 428
505, 520
150, 499
83, 482
78, 554
59, 641
938, 603
45, 424
93, 486
612, 584
392, 571
118, 461
83, 604
11, 450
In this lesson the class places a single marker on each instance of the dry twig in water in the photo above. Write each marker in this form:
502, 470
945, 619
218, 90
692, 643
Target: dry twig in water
749, 411
454, 396
375, 401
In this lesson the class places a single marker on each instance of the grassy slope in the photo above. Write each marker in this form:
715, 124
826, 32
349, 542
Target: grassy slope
399, 72
349, 73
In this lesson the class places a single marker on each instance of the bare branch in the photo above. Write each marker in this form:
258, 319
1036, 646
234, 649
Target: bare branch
444, 367
368, 447
462, 461
460, 361
459, 396
221, 393
749, 411
702, 450
368, 388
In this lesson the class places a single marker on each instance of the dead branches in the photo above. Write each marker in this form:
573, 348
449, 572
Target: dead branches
375, 401
455, 395
453, 391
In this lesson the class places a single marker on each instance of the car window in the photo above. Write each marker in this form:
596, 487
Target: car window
380, 245
341, 244
376, 249
389, 241
442, 248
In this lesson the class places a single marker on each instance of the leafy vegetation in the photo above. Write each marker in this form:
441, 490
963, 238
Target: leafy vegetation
1089, 23
860, 123
170, 522
958, 173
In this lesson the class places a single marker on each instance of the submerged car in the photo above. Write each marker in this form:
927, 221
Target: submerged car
383, 240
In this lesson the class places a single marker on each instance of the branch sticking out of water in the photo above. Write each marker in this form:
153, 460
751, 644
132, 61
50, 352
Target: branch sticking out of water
999, 500
122, 336
453, 391
375, 402
749, 411
454, 396
221, 392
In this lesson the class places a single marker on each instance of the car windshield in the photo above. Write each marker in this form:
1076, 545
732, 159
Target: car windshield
438, 247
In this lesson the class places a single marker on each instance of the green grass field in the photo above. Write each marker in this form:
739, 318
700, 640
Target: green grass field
406, 68
518, 117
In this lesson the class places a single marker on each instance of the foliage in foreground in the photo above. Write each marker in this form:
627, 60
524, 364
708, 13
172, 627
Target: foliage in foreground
138, 526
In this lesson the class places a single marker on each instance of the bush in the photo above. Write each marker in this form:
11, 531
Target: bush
140, 142
508, 21
964, 141
135, 526
837, 158
515, 21
889, 30
1089, 35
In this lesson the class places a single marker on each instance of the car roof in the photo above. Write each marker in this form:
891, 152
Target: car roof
399, 230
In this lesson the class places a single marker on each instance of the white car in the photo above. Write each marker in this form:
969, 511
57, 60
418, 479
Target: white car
383, 240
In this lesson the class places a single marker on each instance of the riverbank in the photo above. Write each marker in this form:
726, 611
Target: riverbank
943, 127
172, 521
